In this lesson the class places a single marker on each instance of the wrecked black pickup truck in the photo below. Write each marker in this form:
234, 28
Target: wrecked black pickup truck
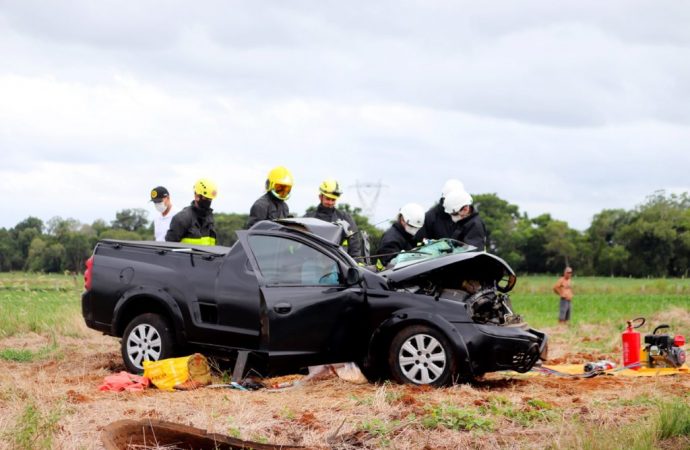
287, 295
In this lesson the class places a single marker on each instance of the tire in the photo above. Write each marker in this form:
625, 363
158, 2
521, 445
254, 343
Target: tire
147, 337
421, 355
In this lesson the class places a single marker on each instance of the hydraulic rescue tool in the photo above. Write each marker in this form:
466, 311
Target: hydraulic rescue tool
663, 350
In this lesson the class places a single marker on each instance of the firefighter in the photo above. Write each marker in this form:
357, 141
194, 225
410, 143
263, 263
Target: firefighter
271, 205
469, 227
194, 224
329, 193
437, 222
401, 235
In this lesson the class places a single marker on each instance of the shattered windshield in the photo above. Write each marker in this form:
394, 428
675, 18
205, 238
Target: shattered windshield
430, 250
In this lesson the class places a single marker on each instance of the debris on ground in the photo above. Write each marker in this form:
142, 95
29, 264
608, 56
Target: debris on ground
152, 433
124, 381
632, 370
345, 371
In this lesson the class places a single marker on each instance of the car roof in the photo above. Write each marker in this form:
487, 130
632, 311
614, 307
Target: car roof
211, 249
321, 229
325, 230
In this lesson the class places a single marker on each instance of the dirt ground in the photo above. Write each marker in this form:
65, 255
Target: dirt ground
330, 413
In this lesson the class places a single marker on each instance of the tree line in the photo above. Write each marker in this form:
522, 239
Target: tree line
652, 239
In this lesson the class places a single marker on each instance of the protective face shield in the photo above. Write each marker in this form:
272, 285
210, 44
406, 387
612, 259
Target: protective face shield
281, 191
279, 182
160, 207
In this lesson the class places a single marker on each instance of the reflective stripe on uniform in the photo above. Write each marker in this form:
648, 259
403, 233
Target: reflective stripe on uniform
206, 240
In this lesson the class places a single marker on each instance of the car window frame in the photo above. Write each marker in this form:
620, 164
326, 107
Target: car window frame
264, 282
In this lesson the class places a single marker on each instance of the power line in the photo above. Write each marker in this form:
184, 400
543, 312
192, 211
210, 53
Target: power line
368, 194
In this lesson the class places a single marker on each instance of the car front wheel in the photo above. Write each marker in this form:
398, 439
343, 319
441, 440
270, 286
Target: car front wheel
147, 337
421, 355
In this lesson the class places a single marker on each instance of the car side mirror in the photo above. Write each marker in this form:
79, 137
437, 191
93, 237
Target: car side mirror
353, 277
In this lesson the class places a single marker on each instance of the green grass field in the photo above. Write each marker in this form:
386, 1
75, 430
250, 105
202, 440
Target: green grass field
51, 303
40, 303
602, 301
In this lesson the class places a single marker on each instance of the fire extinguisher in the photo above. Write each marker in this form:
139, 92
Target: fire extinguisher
632, 344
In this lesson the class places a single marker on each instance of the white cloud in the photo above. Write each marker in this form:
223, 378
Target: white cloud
559, 108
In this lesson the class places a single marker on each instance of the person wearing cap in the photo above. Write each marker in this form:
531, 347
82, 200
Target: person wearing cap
437, 222
271, 205
564, 290
194, 224
329, 193
401, 235
161, 221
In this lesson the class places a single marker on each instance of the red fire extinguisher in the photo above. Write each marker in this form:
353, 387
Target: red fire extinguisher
631, 343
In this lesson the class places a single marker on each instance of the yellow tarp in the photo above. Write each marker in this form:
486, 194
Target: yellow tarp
186, 372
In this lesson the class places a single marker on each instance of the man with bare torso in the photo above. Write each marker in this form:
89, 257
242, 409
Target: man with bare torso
564, 290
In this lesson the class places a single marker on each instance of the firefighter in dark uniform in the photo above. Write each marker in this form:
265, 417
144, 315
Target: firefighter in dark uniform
271, 205
469, 227
401, 235
437, 222
329, 193
194, 224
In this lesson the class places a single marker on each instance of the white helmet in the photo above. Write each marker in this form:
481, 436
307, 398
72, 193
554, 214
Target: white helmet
455, 200
452, 185
413, 215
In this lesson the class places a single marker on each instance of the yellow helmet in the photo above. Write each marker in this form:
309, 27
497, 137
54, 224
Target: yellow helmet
206, 188
330, 188
279, 182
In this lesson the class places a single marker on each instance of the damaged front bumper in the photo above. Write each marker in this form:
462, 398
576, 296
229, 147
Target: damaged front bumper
494, 348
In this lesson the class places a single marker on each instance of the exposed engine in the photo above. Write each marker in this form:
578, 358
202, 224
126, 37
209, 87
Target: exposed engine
486, 304
479, 281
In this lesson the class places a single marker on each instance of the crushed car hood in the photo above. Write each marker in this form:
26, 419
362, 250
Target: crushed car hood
468, 265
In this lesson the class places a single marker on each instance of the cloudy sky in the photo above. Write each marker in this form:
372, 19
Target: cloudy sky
560, 107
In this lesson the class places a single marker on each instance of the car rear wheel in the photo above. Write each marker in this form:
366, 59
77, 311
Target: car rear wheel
421, 355
147, 337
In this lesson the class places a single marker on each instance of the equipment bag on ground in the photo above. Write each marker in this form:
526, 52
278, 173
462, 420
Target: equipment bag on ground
186, 372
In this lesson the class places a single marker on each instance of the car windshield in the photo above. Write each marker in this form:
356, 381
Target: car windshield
430, 250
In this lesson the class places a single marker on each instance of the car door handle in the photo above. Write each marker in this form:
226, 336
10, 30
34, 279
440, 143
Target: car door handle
282, 308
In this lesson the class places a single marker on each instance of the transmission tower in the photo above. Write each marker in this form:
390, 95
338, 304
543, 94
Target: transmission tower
368, 194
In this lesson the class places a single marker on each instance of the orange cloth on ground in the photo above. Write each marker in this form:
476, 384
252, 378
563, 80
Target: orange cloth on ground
124, 381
